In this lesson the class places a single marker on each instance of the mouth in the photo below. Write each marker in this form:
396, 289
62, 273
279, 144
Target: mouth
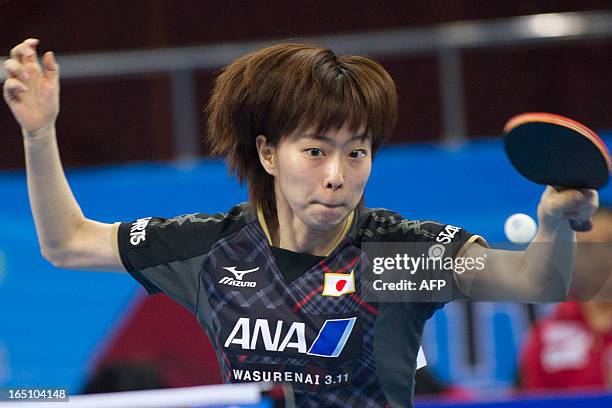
330, 205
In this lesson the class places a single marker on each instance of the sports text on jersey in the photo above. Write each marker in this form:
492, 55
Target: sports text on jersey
447, 235
300, 377
239, 275
138, 231
291, 336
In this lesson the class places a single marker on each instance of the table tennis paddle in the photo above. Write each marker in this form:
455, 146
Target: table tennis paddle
554, 150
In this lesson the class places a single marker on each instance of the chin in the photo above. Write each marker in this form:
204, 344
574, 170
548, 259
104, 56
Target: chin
327, 219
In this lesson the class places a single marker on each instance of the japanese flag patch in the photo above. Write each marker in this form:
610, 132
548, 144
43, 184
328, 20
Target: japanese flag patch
338, 284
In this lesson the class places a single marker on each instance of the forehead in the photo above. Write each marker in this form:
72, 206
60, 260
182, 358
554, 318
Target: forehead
334, 136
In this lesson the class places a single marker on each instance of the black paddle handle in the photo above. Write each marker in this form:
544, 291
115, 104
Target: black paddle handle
581, 225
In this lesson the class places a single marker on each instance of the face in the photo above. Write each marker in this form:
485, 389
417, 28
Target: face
321, 178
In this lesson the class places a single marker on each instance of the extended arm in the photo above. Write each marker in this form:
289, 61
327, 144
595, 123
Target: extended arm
66, 237
541, 273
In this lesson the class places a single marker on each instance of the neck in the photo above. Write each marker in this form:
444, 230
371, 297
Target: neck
293, 235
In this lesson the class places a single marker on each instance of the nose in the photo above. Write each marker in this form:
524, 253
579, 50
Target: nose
334, 174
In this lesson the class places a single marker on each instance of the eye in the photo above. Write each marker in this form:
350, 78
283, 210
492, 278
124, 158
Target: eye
358, 154
315, 152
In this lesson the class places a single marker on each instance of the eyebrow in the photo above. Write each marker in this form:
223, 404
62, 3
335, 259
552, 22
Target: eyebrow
325, 138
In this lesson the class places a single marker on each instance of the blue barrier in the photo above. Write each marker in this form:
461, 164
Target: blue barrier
600, 400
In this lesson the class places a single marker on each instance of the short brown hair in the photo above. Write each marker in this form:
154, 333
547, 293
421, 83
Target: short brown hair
278, 90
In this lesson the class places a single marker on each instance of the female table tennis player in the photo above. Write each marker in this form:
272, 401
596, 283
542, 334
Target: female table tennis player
275, 281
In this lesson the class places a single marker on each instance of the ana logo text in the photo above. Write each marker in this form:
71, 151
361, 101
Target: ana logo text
329, 342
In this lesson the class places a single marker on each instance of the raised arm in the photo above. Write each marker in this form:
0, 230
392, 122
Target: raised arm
66, 237
543, 272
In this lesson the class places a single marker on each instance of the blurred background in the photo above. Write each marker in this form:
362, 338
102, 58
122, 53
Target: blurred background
135, 76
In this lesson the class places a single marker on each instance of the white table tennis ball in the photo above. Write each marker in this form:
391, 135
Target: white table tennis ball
520, 228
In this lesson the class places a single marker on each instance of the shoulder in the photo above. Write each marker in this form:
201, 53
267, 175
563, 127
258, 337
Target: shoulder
235, 217
155, 240
381, 224
187, 224
376, 225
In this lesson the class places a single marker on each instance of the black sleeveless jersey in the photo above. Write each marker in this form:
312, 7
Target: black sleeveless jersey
336, 351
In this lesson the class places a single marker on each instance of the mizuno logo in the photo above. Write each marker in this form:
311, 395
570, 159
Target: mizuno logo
238, 275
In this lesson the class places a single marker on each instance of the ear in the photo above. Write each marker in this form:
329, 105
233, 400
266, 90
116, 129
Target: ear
266, 155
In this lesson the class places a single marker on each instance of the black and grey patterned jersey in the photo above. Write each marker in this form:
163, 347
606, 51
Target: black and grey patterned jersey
334, 347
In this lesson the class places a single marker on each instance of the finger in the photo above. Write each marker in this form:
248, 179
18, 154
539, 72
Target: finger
24, 53
587, 201
14, 69
13, 88
581, 214
591, 196
571, 213
20, 51
50, 66
584, 211
570, 198
32, 41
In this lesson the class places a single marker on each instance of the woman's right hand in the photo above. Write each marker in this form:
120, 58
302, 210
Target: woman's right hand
32, 91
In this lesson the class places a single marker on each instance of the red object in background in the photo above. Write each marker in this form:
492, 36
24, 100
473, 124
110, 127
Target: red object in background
160, 331
563, 352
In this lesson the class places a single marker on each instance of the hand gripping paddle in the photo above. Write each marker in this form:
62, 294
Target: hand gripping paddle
554, 150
